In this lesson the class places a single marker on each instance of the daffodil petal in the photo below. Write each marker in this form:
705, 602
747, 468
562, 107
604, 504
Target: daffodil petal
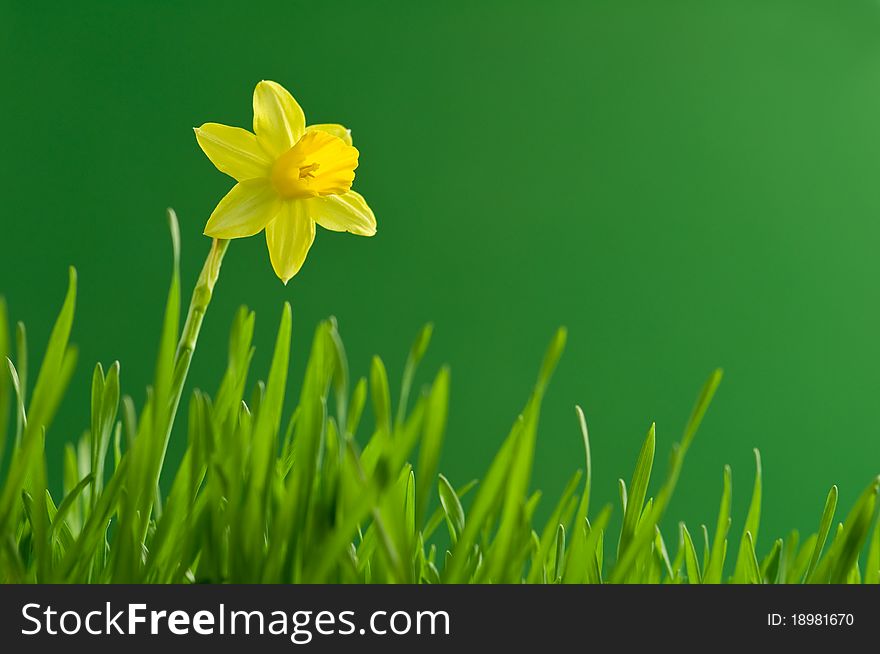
246, 209
348, 212
279, 121
338, 131
233, 151
289, 238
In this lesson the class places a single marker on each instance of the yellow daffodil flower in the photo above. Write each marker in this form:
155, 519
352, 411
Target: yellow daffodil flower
289, 177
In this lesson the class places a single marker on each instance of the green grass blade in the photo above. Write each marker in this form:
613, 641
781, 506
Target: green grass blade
583, 510
61, 513
268, 423
638, 490
452, 508
21, 366
18, 393
715, 568
692, 563
872, 565
700, 408
501, 564
105, 405
770, 566
582, 564
416, 353
559, 559
489, 492
149, 447
557, 518
707, 550
356, 406
797, 570
578, 544
5, 390
339, 540
753, 570
439, 515
307, 445
240, 353
78, 559
432, 441
47, 391
753, 520
824, 528
340, 374
662, 553
381, 395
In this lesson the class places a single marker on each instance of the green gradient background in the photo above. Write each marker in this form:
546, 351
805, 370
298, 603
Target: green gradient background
683, 184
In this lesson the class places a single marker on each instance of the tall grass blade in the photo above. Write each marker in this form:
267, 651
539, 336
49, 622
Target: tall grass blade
638, 490
432, 438
692, 563
715, 567
752, 523
824, 528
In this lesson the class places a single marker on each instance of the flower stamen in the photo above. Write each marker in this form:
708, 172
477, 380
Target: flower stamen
308, 171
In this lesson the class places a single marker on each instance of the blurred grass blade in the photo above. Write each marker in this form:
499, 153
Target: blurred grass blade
416, 353
381, 395
5, 394
432, 441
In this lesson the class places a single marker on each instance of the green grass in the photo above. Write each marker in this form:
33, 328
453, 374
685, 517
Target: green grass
319, 493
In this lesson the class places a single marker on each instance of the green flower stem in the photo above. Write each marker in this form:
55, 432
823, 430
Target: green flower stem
198, 306
186, 345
